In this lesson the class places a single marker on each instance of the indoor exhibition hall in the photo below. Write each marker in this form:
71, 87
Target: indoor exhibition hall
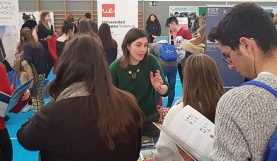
138, 80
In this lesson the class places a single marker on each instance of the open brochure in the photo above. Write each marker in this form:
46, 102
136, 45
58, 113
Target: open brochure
7, 102
192, 132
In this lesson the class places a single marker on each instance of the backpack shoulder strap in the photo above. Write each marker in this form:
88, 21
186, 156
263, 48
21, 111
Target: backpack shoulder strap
262, 85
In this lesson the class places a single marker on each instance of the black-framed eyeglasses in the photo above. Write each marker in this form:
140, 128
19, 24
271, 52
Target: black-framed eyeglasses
226, 58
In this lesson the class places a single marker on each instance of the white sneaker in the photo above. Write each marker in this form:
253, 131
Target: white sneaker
28, 108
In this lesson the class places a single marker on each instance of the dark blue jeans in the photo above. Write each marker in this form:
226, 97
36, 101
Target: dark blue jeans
170, 74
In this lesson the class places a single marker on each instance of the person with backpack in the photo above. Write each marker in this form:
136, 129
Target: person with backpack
168, 64
246, 115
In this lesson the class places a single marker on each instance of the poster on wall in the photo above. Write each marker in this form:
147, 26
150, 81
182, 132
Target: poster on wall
183, 22
8, 12
229, 77
120, 18
9, 36
9, 31
182, 13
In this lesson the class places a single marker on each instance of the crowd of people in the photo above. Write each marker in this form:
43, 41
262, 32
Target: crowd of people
102, 105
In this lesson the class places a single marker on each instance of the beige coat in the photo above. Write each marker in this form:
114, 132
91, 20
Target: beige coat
195, 49
25, 72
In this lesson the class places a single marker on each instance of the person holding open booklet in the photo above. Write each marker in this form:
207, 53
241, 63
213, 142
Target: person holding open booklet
245, 123
246, 115
202, 89
6, 152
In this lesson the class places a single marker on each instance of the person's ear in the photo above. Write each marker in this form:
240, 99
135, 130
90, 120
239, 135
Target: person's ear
128, 47
247, 44
243, 41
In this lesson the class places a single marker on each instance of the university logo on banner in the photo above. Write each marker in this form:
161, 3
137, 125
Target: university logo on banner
108, 10
213, 11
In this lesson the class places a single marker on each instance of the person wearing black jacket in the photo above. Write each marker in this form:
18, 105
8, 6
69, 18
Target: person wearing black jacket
45, 32
153, 27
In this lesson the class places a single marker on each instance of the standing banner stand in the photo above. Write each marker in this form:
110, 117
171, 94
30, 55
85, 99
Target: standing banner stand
9, 31
229, 77
121, 15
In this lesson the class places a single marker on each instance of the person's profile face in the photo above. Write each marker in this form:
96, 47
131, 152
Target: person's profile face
47, 18
172, 27
239, 61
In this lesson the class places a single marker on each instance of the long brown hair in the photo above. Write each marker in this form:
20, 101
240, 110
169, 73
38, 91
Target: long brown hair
27, 37
200, 39
202, 86
105, 35
131, 36
85, 28
156, 22
42, 20
119, 116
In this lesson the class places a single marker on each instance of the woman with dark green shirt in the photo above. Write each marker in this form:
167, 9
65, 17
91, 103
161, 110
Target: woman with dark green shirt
140, 74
